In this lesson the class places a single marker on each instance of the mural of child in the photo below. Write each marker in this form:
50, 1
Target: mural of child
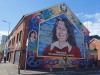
32, 36
63, 40
32, 39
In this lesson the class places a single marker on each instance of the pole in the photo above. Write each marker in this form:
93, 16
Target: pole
7, 37
8, 24
9, 29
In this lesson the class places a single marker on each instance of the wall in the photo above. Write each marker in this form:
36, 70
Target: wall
13, 44
96, 44
40, 53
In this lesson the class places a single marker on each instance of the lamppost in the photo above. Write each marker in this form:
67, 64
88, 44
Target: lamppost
7, 50
8, 24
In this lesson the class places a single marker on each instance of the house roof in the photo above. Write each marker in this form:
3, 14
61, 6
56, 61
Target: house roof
94, 37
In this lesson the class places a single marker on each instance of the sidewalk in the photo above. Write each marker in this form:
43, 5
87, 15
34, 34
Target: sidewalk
12, 69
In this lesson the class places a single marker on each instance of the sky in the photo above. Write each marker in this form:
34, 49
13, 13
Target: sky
11, 11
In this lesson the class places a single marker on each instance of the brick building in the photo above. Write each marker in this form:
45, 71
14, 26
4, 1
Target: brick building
30, 54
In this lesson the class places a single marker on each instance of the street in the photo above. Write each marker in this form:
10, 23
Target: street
12, 69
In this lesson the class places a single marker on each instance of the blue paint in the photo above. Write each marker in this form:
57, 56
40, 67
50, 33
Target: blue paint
30, 61
47, 14
81, 62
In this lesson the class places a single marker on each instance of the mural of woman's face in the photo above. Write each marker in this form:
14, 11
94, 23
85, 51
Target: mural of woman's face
61, 31
33, 35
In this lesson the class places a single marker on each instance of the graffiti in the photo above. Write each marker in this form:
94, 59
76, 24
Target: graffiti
30, 61
81, 62
74, 62
40, 62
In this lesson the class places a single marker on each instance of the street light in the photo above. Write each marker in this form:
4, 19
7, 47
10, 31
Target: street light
7, 50
8, 29
8, 24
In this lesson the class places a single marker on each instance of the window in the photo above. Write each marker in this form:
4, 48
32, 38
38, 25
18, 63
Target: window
20, 35
17, 37
13, 40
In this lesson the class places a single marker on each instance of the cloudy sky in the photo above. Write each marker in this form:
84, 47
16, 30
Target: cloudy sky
11, 11
91, 22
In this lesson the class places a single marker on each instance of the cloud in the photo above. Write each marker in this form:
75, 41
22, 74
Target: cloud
79, 14
93, 17
91, 22
89, 16
3, 33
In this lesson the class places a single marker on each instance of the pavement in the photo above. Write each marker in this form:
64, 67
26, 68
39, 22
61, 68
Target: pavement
12, 69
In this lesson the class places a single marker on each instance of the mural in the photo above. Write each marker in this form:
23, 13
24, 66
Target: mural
31, 62
55, 34
57, 38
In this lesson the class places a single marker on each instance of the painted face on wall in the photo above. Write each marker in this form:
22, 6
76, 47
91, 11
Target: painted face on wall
33, 36
61, 31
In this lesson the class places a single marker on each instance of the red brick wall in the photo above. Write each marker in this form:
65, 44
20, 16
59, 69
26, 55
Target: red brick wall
24, 36
95, 44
